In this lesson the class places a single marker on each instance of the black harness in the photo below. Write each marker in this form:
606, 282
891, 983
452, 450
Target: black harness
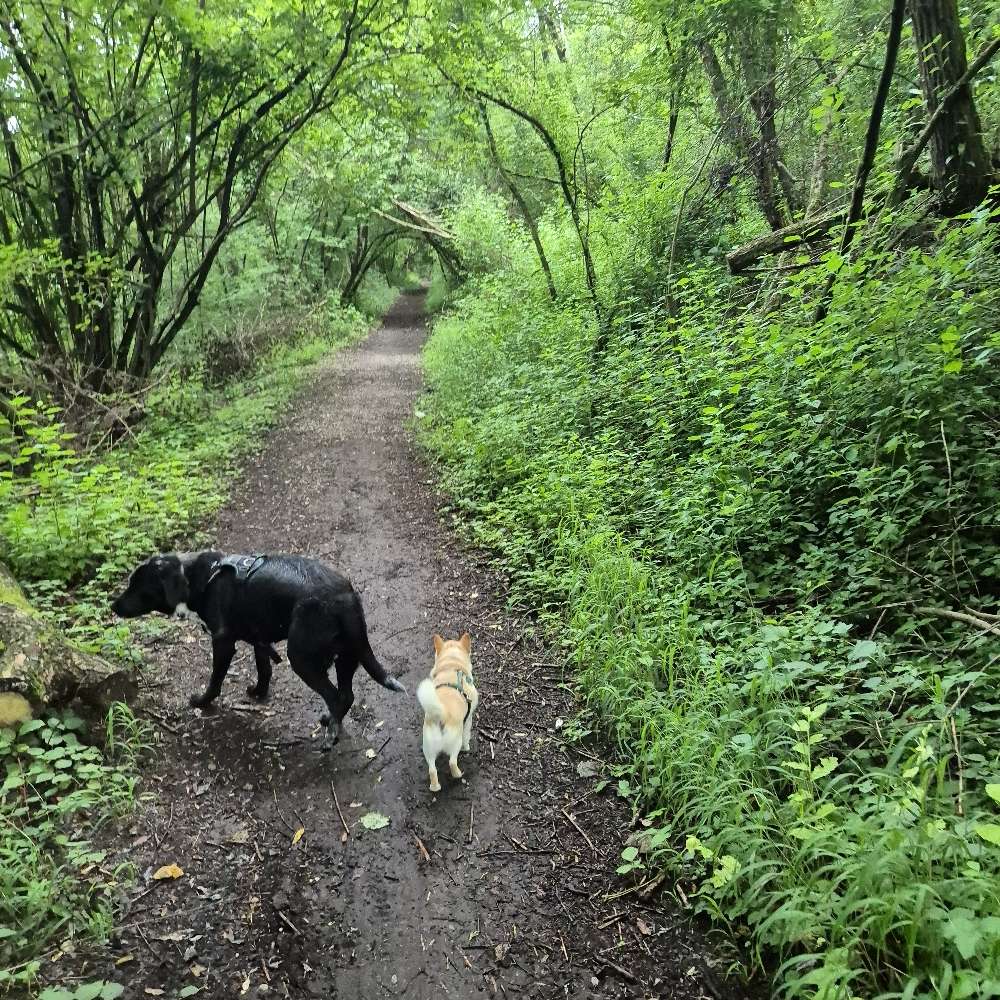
243, 566
458, 686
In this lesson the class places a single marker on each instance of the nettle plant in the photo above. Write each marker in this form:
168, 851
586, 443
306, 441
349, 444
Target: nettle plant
55, 790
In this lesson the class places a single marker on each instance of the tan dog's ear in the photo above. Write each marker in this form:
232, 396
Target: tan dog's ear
438, 643
466, 642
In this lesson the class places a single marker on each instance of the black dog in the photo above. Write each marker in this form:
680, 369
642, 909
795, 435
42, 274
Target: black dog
262, 600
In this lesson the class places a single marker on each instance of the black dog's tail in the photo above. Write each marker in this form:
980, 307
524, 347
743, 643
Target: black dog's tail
366, 655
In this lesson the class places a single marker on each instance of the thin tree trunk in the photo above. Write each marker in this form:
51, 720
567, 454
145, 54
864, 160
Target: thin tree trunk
521, 204
871, 147
739, 133
960, 166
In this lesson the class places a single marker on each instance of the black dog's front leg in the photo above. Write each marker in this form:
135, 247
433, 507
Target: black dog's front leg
223, 649
263, 654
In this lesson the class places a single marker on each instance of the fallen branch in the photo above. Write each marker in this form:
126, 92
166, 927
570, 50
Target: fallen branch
804, 231
961, 616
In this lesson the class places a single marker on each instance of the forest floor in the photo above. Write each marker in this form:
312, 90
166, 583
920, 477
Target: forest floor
502, 884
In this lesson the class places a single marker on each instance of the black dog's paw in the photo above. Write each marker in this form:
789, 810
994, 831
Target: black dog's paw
257, 694
324, 719
201, 701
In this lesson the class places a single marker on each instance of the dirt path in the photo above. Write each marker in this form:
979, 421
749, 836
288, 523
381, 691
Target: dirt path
517, 895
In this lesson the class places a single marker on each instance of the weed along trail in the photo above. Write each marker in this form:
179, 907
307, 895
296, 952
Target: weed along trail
341, 875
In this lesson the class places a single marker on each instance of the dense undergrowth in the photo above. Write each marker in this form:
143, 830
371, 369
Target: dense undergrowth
71, 530
754, 531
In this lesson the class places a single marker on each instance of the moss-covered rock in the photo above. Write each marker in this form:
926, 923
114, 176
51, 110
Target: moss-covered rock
40, 668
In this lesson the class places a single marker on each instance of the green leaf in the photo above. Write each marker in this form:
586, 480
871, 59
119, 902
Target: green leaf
864, 649
374, 821
993, 791
89, 991
990, 832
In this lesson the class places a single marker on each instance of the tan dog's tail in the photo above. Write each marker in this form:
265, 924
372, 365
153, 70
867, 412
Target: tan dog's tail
428, 697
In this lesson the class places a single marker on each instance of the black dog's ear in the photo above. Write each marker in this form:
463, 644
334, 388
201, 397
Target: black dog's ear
175, 584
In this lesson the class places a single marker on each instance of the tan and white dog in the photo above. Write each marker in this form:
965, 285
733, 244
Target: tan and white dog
449, 699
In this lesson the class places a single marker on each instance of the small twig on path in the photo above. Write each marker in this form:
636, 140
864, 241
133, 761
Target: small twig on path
277, 810
579, 829
472, 818
288, 922
615, 967
380, 749
145, 941
340, 813
683, 895
159, 720
400, 631
563, 943
423, 850
645, 889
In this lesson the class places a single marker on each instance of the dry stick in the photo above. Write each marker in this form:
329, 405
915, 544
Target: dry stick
380, 749
340, 812
958, 757
617, 968
423, 850
960, 616
580, 830
563, 944
472, 816
947, 456
871, 147
287, 921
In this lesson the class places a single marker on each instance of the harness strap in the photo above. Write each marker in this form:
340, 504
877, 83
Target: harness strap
243, 566
458, 686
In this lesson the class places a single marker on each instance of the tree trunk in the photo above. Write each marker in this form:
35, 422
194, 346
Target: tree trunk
521, 204
960, 167
40, 669
739, 134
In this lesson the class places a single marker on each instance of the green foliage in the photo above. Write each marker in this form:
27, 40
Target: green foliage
738, 516
56, 792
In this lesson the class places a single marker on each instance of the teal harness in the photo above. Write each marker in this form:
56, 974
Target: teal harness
458, 686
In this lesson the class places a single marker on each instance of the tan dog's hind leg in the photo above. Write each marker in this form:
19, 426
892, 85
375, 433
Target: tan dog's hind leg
453, 764
430, 755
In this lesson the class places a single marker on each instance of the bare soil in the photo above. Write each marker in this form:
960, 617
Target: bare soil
502, 884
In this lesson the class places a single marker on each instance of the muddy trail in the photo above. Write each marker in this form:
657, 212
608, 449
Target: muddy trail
502, 884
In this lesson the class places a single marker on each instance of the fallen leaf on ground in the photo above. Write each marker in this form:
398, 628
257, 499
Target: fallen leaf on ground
644, 928
239, 837
369, 753
245, 986
588, 768
298, 834
197, 971
125, 959
150, 991
374, 821
168, 871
